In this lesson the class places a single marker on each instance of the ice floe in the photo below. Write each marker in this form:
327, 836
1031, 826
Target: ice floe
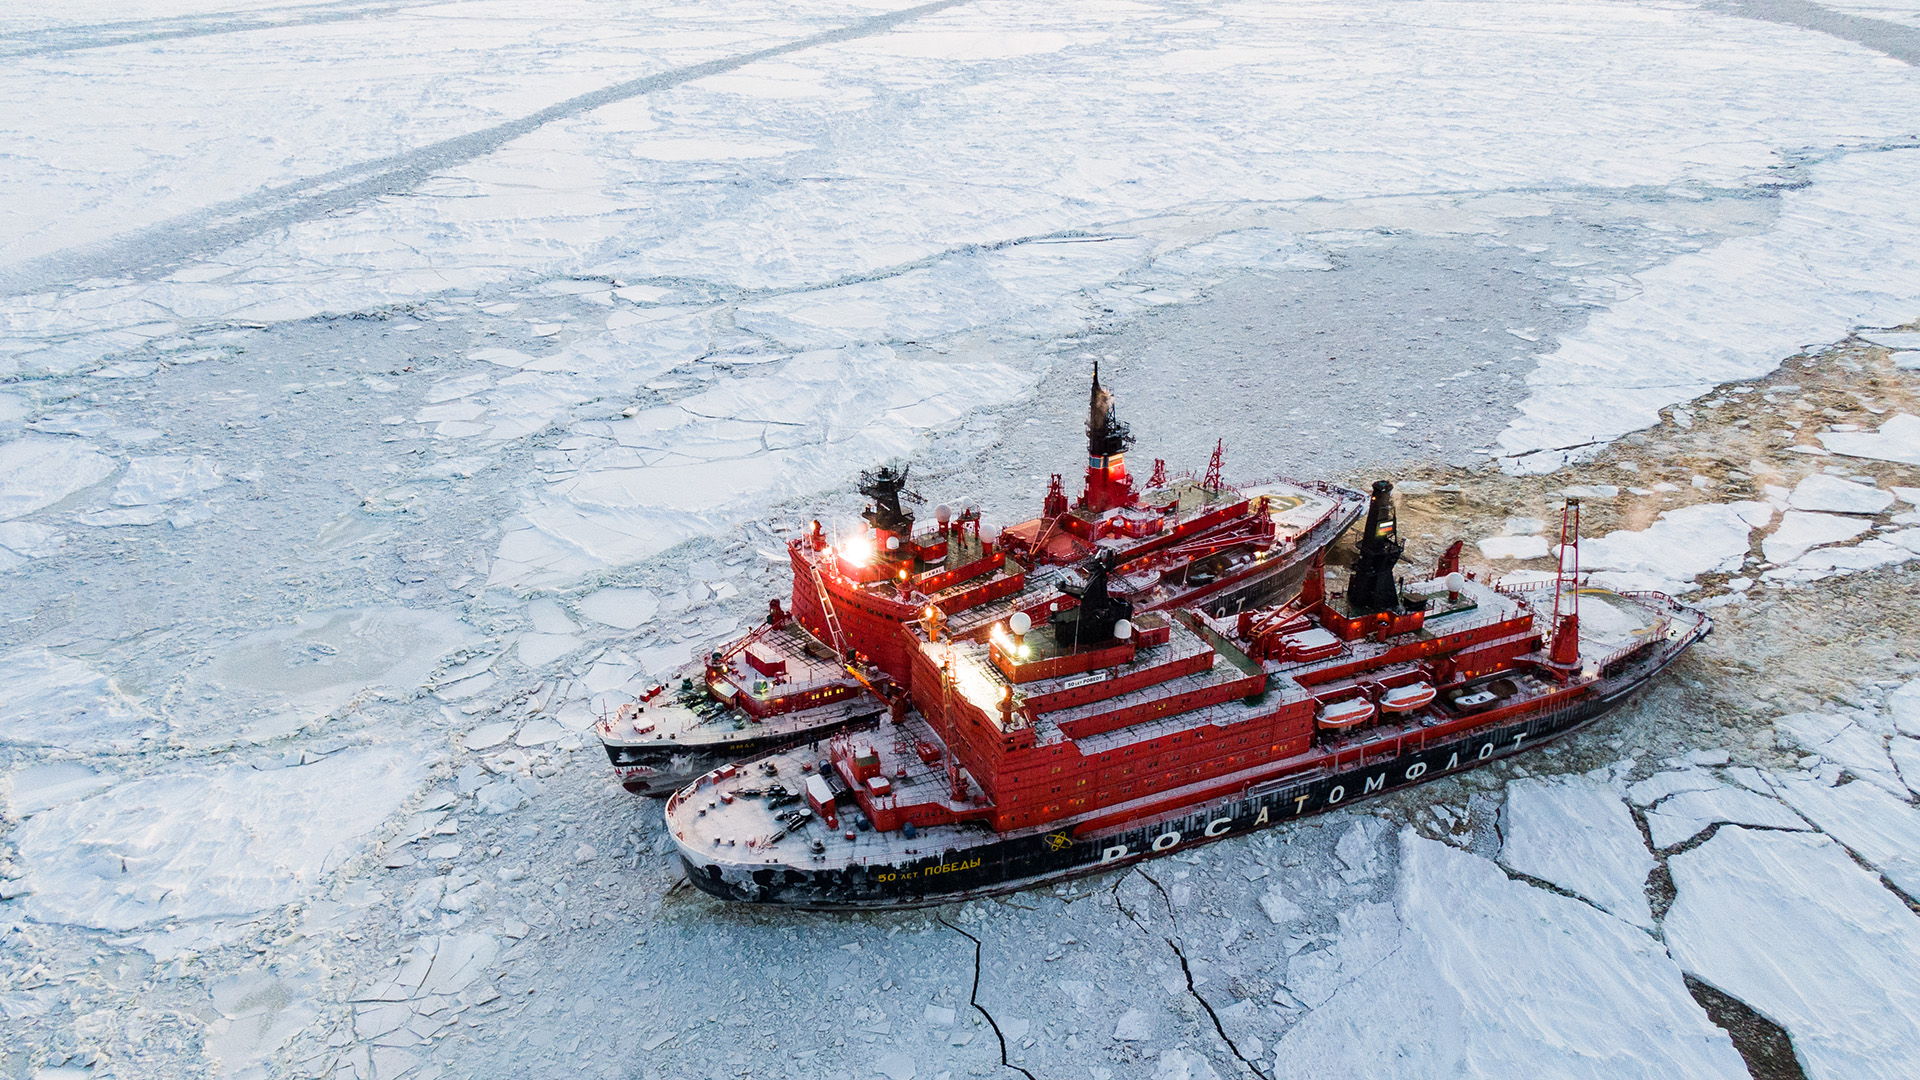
1898, 439
1681, 545
31, 540
1900, 340
1788, 924
1882, 829
1514, 547
1493, 977
1856, 742
259, 1010
547, 618
631, 488
437, 965
36, 472
1905, 753
149, 480
1834, 495
622, 609
33, 788
199, 843
1885, 549
1903, 705
1662, 784
1841, 253
539, 650
50, 700
326, 659
1800, 531
1676, 820
1578, 834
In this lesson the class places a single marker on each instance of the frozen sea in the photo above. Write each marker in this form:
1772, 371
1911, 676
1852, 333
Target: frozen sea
386, 387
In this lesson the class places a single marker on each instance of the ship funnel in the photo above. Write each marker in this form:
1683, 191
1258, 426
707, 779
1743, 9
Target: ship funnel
1108, 485
1094, 621
1372, 588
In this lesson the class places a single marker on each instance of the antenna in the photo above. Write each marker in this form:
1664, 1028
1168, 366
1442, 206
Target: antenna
1565, 650
1213, 481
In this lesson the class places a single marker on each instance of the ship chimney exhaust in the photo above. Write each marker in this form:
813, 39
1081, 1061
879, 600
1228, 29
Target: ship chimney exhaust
1108, 485
1372, 588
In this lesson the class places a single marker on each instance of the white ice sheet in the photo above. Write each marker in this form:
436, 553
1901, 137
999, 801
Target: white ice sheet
1491, 977
218, 841
1788, 924
1578, 834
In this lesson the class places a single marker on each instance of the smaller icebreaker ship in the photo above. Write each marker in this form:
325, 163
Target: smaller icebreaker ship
840, 653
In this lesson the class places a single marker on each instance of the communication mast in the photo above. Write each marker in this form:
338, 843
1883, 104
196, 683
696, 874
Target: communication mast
1565, 650
1212, 482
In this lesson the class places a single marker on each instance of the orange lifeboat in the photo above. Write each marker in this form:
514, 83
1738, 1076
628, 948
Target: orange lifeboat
1345, 714
1310, 645
1405, 699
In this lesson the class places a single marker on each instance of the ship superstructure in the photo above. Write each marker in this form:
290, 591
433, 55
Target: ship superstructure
1057, 748
1182, 541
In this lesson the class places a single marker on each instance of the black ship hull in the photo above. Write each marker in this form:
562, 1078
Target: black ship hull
1006, 863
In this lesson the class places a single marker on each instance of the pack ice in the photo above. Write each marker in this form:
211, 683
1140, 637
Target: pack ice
205, 842
1491, 977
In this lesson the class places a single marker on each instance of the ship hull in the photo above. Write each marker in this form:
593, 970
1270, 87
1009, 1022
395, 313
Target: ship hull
660, 769
1011, 862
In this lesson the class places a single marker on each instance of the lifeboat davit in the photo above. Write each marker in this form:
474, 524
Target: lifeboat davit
1402, 699
1345, 714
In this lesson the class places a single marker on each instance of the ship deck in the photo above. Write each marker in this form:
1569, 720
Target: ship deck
810, 667
744, 831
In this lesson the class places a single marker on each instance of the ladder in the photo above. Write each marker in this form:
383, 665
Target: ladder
839, 641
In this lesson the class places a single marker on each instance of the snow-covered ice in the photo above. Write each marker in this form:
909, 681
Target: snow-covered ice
1578, 834
611, 325
50, 700
1834, 495
1676, 820
1898, 439
1800, 531
1519, 981
201, 843
1681, 545
1882, 829
1788, 924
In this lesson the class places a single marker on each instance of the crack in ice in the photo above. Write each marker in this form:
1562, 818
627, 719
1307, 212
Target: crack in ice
973, 998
